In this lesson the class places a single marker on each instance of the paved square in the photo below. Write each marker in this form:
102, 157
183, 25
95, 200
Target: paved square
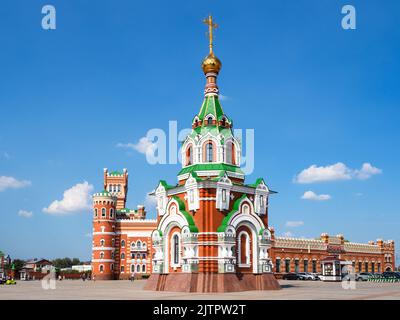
126, 290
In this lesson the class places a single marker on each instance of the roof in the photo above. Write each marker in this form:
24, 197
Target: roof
210, 166
166, 185
188, 217
115, 173
212, 106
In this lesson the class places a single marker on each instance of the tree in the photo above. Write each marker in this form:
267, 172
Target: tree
18, 264
65, 262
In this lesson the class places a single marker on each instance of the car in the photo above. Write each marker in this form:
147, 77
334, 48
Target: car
290, 276
317, 276
305, 276
363, 276
391, 274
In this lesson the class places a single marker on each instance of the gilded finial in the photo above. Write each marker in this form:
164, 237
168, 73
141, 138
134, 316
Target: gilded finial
211, 63
211, 25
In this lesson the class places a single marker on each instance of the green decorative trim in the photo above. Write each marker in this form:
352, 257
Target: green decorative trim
124, 210
210, 166
258, 181
166, 185
116, 173
103, 193
188, 217
236, 204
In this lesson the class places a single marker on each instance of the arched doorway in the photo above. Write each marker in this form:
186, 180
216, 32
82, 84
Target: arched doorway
244, 254
388, 269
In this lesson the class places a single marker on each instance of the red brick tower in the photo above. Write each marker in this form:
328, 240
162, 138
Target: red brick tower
104, 220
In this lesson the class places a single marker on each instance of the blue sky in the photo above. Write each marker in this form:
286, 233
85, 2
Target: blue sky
315, 94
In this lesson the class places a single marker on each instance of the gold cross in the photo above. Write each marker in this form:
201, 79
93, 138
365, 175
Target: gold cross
209, 21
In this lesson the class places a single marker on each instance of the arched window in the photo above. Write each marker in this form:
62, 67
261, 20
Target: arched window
245, 208
139, 244
112, 266
122, 268
144, 268
112, 255
95, 212
244, 248
209, 152
209, 120
223, 122
119, 188
109, 188
230, 153
122, 255
189, 156
101, 268
102, 242
101, 255
175, 248
103, 212
122, 243
138, 268
111, 213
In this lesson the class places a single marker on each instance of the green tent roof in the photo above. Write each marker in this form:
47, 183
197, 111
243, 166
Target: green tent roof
210, 166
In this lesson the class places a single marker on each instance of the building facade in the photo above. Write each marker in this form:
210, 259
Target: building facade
211, 233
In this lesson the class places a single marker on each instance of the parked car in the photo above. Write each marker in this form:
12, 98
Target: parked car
305, 276
290, 276
391, 274
363, 276
316, 276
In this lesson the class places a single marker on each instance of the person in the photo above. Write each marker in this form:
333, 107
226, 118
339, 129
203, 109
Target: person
94, 277
133, 276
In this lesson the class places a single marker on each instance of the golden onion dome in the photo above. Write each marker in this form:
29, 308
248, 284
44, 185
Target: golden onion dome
211, 64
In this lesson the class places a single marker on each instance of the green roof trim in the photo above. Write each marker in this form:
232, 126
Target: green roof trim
188, 217
212, 106
116, 173
224, 223
195, 176
166, 185
104, 193
210, 166
258, 181
124, 210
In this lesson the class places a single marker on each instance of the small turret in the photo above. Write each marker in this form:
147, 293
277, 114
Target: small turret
116, 183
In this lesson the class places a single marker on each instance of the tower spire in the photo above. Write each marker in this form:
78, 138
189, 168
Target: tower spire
211, 65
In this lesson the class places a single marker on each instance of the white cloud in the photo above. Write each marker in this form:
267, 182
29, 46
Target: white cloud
367, 171
75, 199
294, 223
12, 183
150, 202
25, 213
145, 146
335, 172
310, 195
